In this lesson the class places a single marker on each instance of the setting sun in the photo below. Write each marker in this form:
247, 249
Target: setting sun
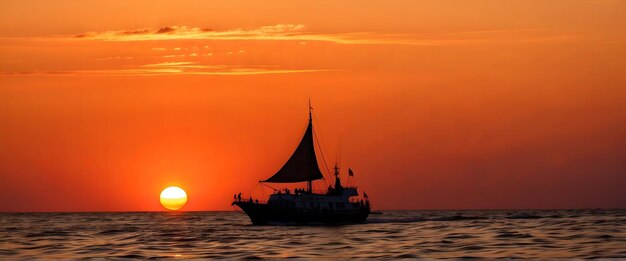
173, 198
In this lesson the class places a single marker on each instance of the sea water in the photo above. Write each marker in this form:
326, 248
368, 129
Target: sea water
394, 234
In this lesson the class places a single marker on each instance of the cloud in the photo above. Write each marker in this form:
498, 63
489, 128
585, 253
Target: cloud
274, 32
119, 61
204, 69
182, 65
297, 32
175, 68
115, 58
165, 30
174, 55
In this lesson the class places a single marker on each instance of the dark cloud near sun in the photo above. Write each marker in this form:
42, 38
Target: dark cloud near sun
165, 30
137, 31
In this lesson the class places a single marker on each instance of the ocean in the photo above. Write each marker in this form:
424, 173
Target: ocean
394, 234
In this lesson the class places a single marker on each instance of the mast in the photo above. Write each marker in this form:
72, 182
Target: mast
310, 181
302, 165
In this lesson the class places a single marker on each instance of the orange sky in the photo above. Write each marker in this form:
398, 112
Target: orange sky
438, 104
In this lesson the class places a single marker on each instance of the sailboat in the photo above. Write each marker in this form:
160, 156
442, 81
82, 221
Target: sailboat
338, 204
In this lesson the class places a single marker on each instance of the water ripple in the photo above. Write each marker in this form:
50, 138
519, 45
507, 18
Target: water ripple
395, 234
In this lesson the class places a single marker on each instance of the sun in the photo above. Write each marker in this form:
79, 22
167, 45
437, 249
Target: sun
173, 198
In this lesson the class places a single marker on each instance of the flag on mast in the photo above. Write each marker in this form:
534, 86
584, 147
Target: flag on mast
350, 173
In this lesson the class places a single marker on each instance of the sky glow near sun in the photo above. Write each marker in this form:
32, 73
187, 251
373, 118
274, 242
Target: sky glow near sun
437, 104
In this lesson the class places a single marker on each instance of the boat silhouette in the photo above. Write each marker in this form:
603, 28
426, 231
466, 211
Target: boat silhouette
339, 204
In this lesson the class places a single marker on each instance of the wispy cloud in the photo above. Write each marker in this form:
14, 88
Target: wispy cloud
175, 68
115, 58
193, 65
210, 69
298, 32
274, 32
171, 50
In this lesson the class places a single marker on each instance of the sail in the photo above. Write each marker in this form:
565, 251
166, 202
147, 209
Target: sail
302, 166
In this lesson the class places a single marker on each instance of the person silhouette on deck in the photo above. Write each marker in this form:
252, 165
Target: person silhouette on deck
239, 196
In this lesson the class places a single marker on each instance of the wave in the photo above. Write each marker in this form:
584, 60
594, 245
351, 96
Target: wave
524, 216
535, 234
422, 219
457, 218
513, 235
395, 220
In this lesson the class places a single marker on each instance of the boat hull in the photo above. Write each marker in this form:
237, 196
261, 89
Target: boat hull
265, 214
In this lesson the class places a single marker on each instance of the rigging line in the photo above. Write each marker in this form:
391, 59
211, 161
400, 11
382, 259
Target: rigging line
262, 192
340, 151
263, 184
323, 157
319, 144
253, 189
338, 161
325, 179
